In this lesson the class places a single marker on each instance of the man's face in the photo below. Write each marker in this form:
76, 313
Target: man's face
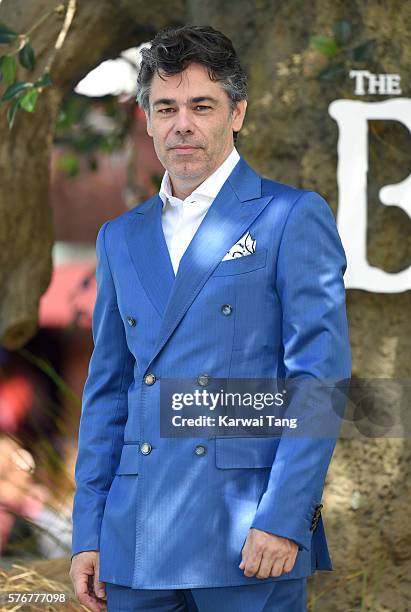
191, 123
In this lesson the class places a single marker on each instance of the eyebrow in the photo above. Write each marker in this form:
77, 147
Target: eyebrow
196, 100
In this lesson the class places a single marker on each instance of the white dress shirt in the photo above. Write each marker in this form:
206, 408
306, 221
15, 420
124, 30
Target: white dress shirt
181, 218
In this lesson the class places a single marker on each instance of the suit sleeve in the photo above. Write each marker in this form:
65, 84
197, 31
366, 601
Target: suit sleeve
104, 409
310, 268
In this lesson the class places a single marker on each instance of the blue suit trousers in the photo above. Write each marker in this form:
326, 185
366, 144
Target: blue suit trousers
281, 596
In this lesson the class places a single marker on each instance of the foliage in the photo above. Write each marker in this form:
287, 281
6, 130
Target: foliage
342, 50
86, 126
74, 127
21, 94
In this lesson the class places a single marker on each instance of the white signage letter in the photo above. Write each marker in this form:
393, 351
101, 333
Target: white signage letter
352, 118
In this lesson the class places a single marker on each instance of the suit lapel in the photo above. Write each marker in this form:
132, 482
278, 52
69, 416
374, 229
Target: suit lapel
234, 209
149, 253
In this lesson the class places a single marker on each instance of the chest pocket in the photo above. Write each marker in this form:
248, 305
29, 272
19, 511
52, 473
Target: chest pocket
240, 265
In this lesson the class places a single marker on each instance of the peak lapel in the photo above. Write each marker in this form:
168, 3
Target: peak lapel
149, 253
233, 210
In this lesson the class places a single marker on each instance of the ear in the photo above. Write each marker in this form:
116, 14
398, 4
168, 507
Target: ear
238, 115
148, 124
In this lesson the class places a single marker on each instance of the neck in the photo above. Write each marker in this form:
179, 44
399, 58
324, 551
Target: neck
181, 188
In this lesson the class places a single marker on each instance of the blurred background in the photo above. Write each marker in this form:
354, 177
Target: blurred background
74, 152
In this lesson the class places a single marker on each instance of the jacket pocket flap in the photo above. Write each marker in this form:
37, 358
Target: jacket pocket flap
245, 452
128, 460
238, 265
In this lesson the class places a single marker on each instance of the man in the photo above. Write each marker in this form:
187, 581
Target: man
222, 274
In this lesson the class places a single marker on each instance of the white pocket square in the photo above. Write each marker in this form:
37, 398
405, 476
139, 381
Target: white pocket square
245, 246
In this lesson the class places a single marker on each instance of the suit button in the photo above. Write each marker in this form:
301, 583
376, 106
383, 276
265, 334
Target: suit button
131, 321
226, 309
146, 448
200, 450
203, 380
149, 379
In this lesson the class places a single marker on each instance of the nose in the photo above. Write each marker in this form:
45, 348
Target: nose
183, 123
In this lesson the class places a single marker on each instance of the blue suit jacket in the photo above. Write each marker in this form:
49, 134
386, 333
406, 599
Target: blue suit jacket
172, 518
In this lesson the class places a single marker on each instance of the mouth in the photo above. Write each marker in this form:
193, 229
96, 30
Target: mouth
185, 149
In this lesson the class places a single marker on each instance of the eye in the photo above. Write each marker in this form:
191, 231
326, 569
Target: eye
202, 107
165, 111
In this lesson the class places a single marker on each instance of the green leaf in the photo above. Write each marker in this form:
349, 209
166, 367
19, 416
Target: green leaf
342, 31
12, 111
365, 51
325, 45
8, 68
6, 35
15, 89
27, 57
333, 72
69, 163
44, 80
28, 101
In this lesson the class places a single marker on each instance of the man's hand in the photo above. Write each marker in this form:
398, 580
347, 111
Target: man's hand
266, 554
84, 572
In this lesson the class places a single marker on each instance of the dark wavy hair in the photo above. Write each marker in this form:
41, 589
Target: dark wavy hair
173, 49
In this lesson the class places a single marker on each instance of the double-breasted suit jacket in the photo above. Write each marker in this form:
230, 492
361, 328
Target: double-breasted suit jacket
175, 512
